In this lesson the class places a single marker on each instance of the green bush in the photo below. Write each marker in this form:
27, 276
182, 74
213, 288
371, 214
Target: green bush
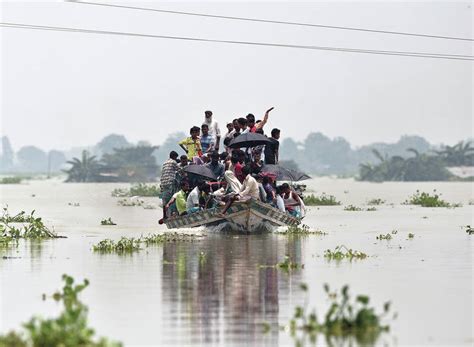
11, 180
426, 200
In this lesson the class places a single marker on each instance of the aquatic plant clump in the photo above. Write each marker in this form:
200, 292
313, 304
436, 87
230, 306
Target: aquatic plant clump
140, 189
107, 221
342, 252
322, 200
352, 208
344, 319
411, 236
169, 237
69, 329
11, 180
124, 245
26, 226
300, 230
375, 202
285, 265
426, 200
384, 237
469, 229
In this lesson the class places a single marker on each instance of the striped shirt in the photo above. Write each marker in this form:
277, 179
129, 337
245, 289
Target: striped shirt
168, 174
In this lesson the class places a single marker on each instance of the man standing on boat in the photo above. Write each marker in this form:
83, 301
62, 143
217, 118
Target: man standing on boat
214, 130
168, 181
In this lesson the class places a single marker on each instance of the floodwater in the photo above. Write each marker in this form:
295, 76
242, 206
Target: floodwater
167, 295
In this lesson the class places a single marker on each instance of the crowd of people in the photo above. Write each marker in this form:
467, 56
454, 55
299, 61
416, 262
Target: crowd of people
239, 172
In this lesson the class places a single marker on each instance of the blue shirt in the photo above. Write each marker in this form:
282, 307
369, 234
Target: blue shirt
207, 143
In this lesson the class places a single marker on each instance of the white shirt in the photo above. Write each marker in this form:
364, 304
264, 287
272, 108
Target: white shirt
193, 199
250, 188
214, 130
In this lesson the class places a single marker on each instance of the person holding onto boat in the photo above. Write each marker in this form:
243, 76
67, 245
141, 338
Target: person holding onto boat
192, 145
249, 190
293, 203
168, 180
193, 203
179, 199
214, 130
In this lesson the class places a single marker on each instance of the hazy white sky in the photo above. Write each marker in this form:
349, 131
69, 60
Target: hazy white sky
60, 90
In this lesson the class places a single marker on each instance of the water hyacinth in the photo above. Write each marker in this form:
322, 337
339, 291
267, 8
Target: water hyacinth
302, 230
322, 200
124, 245
342, 252
26, 226
426, 200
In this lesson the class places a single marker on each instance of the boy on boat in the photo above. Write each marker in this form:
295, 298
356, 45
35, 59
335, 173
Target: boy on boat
179, 199
192, 145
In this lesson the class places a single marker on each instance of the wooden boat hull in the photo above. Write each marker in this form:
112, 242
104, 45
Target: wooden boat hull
249, 216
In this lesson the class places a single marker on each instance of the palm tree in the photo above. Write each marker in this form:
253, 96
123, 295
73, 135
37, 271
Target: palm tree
461, 154
85, 170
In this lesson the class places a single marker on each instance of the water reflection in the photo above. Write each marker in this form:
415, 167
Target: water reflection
223, 295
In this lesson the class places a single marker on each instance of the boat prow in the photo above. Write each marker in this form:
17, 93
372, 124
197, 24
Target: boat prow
249, 216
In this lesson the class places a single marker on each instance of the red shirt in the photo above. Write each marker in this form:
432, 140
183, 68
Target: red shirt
253, 129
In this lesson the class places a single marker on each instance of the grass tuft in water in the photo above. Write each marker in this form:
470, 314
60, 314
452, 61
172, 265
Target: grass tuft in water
375, 202
345, 319
285, 265
69, 329
342, 252
27, 226
426, 200
302, 230
384, 237
322, 200
169, 237
107, 221
140, 189
124, 245
411, 236
469, 229
11, 180
352, 208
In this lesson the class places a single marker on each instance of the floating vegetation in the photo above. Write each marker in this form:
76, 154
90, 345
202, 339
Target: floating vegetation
69, 329
345, 319
426, 200
302, 230
107, 221
342, 252
11, 180
384, 237
394, 232
375, 202
130, 202
27, 226
322, 200
74, 204
124, 245
411, 236
140, 189
352, 208
170, 237
469, 230
285, 265
371, 209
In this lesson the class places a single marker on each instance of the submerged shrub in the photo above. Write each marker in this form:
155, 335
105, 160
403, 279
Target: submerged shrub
345, 318
322, 200
69, 329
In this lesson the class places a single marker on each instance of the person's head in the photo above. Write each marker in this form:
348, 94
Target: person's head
235, 123
184, 186
250, 120
246, 170
242, 123
266, 180
230, 127
205, 129
183, 159
285, 188
257, 156
276, 133
194, 132
223, 156
235, 158
173, 155
208, 114
204, 187
215, 157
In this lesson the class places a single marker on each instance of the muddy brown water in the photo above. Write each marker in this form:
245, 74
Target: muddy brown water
169, 295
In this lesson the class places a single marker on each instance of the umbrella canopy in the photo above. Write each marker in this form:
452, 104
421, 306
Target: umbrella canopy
249, 140
200, 170
285, 174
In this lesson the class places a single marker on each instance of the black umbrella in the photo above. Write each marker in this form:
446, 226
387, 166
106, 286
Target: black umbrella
285, 174
249, 140
200, 170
